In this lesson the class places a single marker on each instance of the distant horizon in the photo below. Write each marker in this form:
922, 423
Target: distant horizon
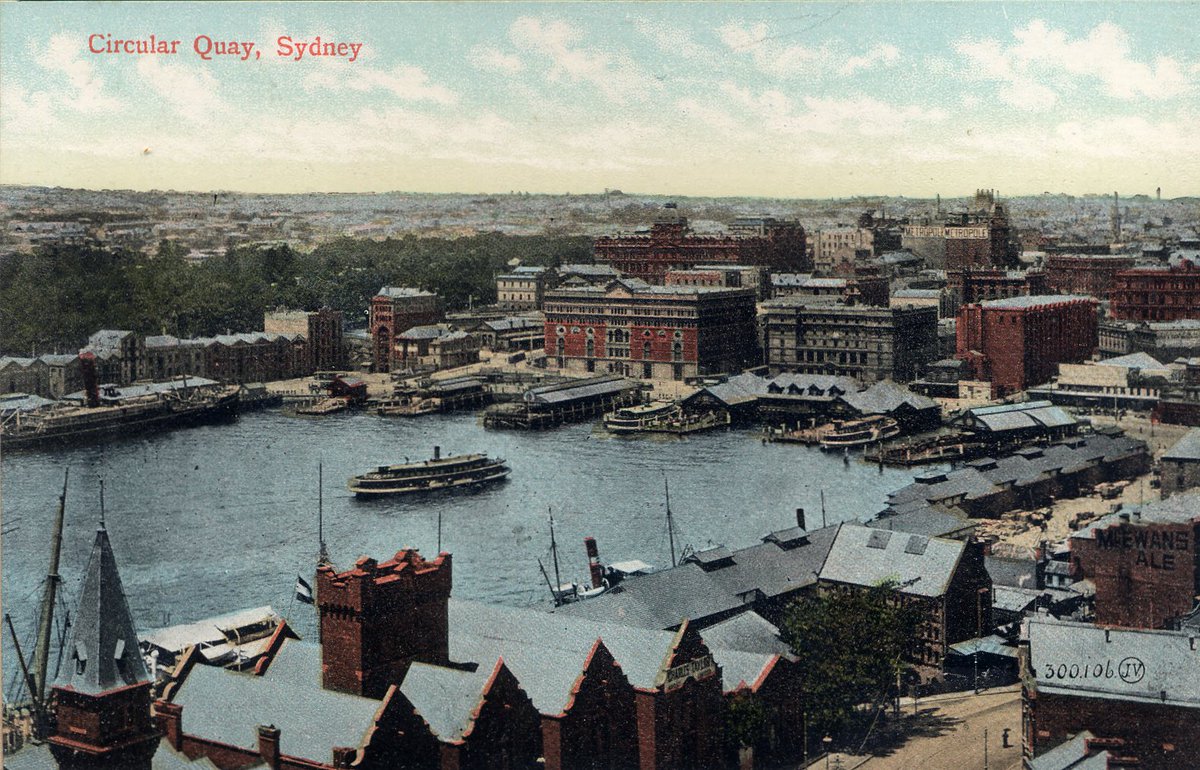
787, 101
596, 194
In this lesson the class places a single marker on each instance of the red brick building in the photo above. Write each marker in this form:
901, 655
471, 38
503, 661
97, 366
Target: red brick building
1092, 274
775, 244
1143, 564
980, 285
1157, 293
1137, 692
978, 237
395, 310
652, 332
1018, 342
405, 600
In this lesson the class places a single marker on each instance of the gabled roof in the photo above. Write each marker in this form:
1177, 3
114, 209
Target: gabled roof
226, 706
1071, 755
448, 699
103, 650
1187, 448
1134, 361
866, 557
402, 291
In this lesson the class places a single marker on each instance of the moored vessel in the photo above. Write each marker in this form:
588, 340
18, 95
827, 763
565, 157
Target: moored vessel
856, 433
436, 474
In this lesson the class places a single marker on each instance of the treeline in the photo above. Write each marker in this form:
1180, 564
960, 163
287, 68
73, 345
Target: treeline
56, 297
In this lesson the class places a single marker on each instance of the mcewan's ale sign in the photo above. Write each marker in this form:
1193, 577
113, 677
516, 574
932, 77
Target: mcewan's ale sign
696, 668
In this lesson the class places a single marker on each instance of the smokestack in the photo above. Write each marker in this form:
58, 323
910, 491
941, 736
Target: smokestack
800, 518
594, 565
437, 453
91, 385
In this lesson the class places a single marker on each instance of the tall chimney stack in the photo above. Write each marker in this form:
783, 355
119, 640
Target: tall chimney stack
594, 565
91, 383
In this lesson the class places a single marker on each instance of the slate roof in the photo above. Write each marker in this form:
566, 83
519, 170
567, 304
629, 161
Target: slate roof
146, 389
553, 394
425, 332
225, 706
58, 359
447, 698
402, 291
107, 340
866, 557
1187, 448
1179, 508
38, 757
1134, 361
1042, 300
1014, 573
1012, 599
547, 651
1071, 755
22, 402
103, 648
508, 324
930, 520
885, 396
178, 637
748, 632
1122, 664
662, 599
1032, 414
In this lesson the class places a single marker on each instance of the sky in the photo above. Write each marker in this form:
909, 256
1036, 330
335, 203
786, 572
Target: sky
789, 100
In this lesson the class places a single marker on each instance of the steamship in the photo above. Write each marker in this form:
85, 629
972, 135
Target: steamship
439, 473
110, 411
856, 433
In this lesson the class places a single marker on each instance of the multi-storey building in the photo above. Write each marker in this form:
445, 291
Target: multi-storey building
1157, 293
120, 355
974, 285
841, 246
864, 289
670, 245
525, 287
322, 331
1092, 274
395, 310
1132, 694
724, 276
979, 237
1019, 341
868, 343
652, 332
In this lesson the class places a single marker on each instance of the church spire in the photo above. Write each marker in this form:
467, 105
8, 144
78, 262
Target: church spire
103, 651
102, 695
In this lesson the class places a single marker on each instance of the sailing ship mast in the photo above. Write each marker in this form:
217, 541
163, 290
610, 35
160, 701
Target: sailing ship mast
670, 523
41, 653
322, 552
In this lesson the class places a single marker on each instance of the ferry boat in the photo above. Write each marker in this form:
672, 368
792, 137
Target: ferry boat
855, 433
632, 419
460, 471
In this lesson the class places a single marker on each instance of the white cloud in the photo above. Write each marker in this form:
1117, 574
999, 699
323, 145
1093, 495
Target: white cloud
774, 111
491, 59
671, 39
62, 55
192, 92
614, 75
1043, 63
779, 59
883, 53
406, 82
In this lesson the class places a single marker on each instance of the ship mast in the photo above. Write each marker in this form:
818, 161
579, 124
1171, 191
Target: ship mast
554, 553
670, 523
41, 655
322, 552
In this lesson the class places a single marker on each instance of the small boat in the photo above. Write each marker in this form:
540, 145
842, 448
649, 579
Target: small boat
854, 433
409, 407
439, 473
325, 406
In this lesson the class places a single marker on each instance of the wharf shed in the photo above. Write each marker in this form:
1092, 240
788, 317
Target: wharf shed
1031, 477
1180, 465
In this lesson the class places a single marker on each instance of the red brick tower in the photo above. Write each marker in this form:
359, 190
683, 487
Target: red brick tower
378, 618
103, 694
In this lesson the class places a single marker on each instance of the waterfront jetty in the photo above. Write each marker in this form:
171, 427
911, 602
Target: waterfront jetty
574, 401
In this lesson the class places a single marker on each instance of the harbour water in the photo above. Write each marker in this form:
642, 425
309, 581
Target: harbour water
217, 518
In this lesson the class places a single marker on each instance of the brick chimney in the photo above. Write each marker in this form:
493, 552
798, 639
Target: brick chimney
268, 745
169, 717
378, 618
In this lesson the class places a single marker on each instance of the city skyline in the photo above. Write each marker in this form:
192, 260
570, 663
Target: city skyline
805, 100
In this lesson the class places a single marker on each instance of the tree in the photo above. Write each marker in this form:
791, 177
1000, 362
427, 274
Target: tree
851, 644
